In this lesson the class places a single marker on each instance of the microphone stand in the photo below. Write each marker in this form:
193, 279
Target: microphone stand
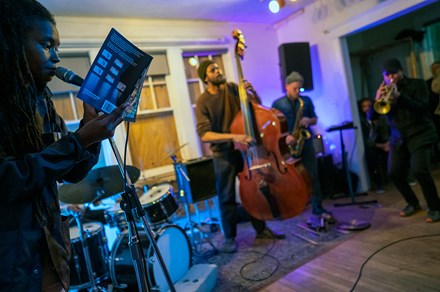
131, 205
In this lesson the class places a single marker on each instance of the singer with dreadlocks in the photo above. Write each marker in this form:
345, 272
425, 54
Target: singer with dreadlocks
36, 151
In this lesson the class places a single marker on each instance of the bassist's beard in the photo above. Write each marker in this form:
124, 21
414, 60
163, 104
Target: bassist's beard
219, 80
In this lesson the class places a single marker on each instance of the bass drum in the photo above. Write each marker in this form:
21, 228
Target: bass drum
98, 252
174, 247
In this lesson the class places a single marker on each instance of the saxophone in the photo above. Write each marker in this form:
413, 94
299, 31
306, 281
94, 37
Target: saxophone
300, 133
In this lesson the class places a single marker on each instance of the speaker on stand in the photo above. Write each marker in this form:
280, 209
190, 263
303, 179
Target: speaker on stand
296, 57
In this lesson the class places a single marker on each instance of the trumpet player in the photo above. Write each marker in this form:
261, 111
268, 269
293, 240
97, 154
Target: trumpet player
412, 136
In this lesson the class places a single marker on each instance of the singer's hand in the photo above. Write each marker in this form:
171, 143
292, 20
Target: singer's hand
89, 113
101, 127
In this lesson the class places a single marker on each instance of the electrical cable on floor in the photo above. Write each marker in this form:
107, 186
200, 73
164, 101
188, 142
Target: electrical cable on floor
382, 248
263, 255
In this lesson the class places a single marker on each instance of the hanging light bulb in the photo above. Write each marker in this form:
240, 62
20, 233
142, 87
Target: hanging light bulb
275, 5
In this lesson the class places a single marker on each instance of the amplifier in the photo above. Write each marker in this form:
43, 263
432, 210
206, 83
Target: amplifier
195, 179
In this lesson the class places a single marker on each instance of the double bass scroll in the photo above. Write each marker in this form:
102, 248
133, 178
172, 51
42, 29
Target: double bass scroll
270, 187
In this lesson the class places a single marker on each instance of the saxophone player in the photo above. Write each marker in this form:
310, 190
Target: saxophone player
411, 139
292, 105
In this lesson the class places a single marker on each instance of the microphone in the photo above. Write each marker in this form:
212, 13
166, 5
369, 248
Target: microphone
68, 76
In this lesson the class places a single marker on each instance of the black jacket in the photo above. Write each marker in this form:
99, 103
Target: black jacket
409, 116
30, 218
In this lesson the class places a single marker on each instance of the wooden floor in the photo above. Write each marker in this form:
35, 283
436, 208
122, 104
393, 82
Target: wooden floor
408, 265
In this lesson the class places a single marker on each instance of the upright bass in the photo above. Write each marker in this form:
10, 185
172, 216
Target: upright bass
271, 186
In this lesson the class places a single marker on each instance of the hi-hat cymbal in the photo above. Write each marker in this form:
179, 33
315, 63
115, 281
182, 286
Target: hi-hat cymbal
99, 184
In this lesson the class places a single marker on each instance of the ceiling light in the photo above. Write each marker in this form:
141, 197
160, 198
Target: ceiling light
275, 5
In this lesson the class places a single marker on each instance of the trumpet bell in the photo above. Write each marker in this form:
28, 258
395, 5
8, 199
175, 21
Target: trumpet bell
382, 107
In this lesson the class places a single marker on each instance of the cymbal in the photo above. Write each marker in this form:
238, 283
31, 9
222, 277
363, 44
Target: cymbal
174, 151
99, 184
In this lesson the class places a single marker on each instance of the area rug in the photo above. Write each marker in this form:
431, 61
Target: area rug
260, 262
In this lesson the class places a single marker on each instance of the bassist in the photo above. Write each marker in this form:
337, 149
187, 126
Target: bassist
215, 111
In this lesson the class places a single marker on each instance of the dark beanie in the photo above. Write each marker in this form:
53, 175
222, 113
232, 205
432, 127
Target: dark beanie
391, 66
202, 69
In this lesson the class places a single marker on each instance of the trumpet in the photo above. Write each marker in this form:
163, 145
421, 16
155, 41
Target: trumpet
382, 105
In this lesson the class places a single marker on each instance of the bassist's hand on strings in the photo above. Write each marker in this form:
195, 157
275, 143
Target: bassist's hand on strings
249, 88
243, 139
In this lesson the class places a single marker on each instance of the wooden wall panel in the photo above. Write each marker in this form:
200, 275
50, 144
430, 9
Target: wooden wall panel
150, 138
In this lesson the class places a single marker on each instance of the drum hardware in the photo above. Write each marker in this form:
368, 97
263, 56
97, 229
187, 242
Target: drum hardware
132, 207
92, 284
200, 236
198, 241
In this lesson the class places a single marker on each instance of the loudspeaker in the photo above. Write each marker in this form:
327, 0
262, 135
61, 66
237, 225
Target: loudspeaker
296, 57
201, 184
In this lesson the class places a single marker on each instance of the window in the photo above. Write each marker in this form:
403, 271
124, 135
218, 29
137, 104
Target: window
191, 60
154, 94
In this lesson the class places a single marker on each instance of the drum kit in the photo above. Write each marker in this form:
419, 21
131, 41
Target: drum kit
93, 263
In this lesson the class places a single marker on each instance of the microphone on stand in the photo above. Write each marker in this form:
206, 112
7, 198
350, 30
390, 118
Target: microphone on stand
68, 76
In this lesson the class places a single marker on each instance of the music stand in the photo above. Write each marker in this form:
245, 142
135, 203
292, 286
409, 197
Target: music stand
340, 128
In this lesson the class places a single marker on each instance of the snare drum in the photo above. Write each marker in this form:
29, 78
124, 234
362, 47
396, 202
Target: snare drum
159, 203
98, 252
174, 248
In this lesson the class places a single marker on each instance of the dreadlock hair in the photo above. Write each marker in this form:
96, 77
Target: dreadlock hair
20, 130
